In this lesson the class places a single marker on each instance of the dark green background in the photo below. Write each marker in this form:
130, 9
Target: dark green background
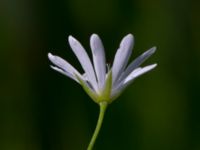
41, 109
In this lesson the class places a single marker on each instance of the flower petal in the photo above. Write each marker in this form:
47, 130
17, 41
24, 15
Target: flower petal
123, 84
84, 60
66, 67
136, 63
64, 73
98, 59
136, 73
122, 56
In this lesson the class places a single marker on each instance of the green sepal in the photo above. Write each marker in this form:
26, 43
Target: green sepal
105, 94
88, 90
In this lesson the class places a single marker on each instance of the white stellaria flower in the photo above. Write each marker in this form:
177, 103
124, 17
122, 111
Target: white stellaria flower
100, 83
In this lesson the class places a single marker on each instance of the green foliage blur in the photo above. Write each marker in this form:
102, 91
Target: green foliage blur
41, 109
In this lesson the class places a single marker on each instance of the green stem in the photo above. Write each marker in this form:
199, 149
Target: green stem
103, 106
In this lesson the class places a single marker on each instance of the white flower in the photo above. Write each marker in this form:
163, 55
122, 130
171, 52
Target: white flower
101, 83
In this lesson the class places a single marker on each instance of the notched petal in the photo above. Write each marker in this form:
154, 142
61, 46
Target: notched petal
84, 60
98, 55
64, 73
138, 73
122, 56
63, 65
137, 62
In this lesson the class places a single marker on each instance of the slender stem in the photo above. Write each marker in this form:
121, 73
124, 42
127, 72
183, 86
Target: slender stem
103, 106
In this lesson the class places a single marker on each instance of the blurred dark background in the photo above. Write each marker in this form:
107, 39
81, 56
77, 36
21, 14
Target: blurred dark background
41, 109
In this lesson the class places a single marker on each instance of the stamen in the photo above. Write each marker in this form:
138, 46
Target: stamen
108, 67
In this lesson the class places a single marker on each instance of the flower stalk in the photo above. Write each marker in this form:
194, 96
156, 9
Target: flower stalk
103, 105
